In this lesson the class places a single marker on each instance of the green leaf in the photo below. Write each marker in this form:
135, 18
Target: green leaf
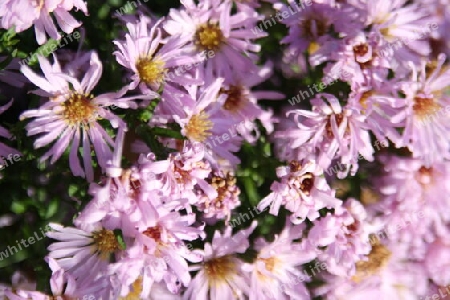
52, 209
167, 133
18, 207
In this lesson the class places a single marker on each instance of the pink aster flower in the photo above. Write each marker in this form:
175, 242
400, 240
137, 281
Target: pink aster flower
158, 252
84, 255
151, 59
396, 21
181, 175
65, 286
204, 121
277, 264
227, 198
302, 190
345, 236
358, 60
333, 132
408, 207
211, 28
310, 25
70, 116
152, 226
23, 14
220, 276
426, 112
380, 104
386, 274
241, 103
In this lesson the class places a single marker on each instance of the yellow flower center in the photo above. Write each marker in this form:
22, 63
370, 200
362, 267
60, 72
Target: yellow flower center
424, 107
151, 71
78, 109
270, 263
105, 242
136, 290
364, 97
209, 36
219, 270
198, 128
313, 47
225, 187
378, 259
386, 33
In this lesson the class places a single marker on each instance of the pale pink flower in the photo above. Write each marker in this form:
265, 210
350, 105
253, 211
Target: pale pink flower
345, 236
278, 264
70, 117
426, 113
23, 14
302, 190
220, 275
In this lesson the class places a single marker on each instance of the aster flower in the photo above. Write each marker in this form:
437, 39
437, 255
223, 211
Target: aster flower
380, 104
181, 175
395, 21
151, 59
84, 255
426, 112
152, 226
205, 122
71, 115
302, 190
408, 206
333, 131
358, 60
227, 38
158, 291
158, 253
23, 14
65, 286
345, 236
277, 264
241, 103
227, 199
386, 274
310, 25
220, 274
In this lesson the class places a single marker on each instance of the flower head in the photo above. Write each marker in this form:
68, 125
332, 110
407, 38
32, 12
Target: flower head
25, 14
70, 116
